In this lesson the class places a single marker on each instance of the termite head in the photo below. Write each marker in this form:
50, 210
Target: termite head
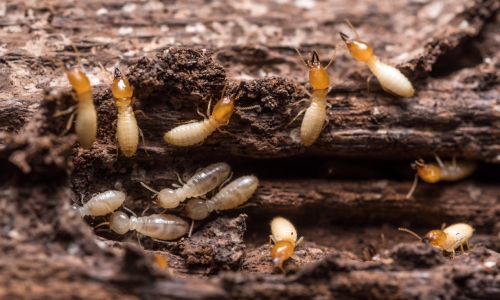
196, 209
360, 50
168, 198
224, 108
119, 222
371, 253
435, 238
83, 211
77, 79
428, 173
121, 87
318, 77
281, 251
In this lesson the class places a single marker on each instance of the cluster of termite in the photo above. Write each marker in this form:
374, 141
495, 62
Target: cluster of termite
284, 235
169, 227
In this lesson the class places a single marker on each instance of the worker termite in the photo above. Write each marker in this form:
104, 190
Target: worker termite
127, 131
195, 133
101, 204
232, 195
447, 239
284, 236
201, 183
315, 118
86, 120
442, 171
159, 226
390, 78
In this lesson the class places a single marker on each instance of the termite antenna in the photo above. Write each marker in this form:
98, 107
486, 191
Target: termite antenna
415, 181
102, 224
78, 58
354, 29
151, 189
333, 56
302, 58
110, 79
410, 232
129, 210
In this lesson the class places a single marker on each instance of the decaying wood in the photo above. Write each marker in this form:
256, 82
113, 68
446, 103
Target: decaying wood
341, 193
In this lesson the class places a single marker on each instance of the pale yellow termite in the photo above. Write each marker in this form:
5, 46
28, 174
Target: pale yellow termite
159, 226
201, 183
315, 118
442, 171
101, 204
86, 120
127, 131
447, 239
284, 236
195, 133
390, 78
232, 195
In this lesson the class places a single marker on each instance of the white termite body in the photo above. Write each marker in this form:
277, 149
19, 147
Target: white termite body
201, 183
390, 78
314, 118
101, 204
158, 226
456, 235
234, 194
456, 171
192, 133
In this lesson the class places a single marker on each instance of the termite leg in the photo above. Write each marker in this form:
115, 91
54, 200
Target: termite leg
368, 84
68, 125
65, 112
453, 256
299, 241
164, 242
467, 243
141, 112
439, 161
415, 181
223, 131
301, 100
179, 178
114, 123
200, 113
191, 228
305, 92
300, 112
149, 188
143, 141
462, 248
327, 121
145, 210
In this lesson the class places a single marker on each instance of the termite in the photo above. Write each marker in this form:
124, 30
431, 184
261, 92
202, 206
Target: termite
201, 183
284, 236
442, 171
127, 131
447, 239
86, 120
372, 254
315, 118
101, 204
390, 78
195, 133
159, 226
232, 195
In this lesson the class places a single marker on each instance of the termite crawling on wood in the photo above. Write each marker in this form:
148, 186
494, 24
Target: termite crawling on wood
101, 204
442, 171
159, 226
315, 117
284, 236
86, 120
201, 183
447, 239
127, 131
232, 195
390, 78
195, 133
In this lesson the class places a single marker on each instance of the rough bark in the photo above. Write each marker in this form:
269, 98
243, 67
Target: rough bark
341, 193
